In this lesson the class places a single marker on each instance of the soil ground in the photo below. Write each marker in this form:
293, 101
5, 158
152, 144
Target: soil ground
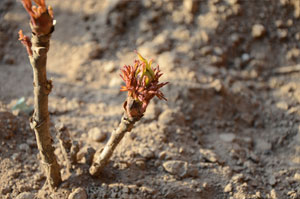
230, 127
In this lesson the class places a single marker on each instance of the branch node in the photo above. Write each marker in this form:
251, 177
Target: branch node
35, 124
40, 50
49, 86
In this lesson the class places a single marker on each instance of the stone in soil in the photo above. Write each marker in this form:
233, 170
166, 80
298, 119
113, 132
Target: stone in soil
146, 152
227, 137
273, 194
228, 188
96, 134
190, 6
208, 155
282, 34
24, 147
293, 54
85, 155
258, 30
140, 163
272, 180
263, 145
176, 167
297, 177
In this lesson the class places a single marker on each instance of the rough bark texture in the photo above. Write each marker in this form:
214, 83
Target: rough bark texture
69, 148
40, 118
100, 161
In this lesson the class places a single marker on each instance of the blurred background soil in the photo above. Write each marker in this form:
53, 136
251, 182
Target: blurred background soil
230, 127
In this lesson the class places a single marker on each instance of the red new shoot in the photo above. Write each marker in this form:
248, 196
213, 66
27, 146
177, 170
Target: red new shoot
142, 82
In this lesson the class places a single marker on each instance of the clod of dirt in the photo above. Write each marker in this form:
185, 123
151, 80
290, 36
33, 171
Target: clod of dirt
24, 147
217, 60
96, 134
85, 155
147, 190
146, 152
282, 34
297, 177
258, 30
282, 105
263, 145
176, 167
227, 137
297, 36
228, 188
190, 6
273, 194
140, 163
272, 180
293, 54
208, 155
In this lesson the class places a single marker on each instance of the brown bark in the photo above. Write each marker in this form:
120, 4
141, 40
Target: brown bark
40, 118
100, 161
69, 147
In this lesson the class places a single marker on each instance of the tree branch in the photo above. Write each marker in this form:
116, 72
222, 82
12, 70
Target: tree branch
40, 118
100, 161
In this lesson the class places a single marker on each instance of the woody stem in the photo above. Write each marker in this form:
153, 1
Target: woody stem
40, 118
100, 161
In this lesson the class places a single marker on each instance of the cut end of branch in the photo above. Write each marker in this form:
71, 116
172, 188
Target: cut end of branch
133, 108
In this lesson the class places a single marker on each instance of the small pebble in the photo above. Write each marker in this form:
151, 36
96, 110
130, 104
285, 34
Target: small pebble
176, 167
125, 189
263, 145
282, 105
297, 177
146, 152
227, 137
190, 6
228, 188
272, 181
96, 134
282, 34
208, 155
24, 147
273, 194
258, 30
85, 155
141, 164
